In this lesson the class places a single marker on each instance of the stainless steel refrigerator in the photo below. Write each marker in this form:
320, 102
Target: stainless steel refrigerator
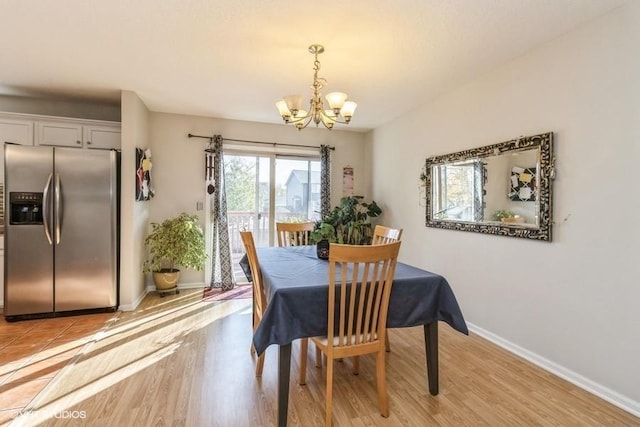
61, 231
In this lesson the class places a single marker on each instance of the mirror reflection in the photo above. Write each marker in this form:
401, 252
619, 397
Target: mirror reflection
501, 189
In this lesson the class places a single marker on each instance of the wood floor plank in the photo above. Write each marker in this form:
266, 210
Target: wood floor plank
179, 361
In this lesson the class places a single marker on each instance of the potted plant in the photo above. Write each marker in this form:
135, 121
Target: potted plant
323, 234
500, 214
347, 223
178, 241
423, 176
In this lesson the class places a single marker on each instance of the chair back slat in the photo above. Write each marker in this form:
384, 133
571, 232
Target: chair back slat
294, 233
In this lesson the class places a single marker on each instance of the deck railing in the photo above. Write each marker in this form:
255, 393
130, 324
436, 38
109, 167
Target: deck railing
257, 223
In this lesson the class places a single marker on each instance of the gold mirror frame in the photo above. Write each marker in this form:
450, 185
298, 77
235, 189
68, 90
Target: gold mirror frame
545, 165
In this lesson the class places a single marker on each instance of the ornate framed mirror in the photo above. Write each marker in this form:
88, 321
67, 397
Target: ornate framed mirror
503, 189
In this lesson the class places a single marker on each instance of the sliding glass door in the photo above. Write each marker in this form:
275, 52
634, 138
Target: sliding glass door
297, 189
262, 189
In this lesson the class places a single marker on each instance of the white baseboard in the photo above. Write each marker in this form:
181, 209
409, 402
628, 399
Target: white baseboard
132, 307
584, 383
151, 288
191, 285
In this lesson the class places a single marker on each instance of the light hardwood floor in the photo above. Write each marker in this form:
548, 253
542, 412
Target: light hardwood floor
178, 361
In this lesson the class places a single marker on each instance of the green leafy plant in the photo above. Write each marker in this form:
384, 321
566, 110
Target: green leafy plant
323, 231
349, 222
423, 176
177, 241
499, 214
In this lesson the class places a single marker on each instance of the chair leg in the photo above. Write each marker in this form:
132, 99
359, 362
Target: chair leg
387, 346
383, 399
259, 365
329, 402
318, 358
255, 325
304, 344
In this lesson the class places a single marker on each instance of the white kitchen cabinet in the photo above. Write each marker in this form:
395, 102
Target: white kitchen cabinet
68, 133
101, 136
16, 131
59, 134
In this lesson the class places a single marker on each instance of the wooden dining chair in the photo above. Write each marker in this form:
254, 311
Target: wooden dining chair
260, 300
294, 233
382, 235
360, 280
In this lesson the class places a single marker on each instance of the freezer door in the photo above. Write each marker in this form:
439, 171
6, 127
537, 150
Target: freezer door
85, 229
28, 257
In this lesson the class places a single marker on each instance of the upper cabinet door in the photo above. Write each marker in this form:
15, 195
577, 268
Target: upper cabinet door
16, 131
99, 136
59, 134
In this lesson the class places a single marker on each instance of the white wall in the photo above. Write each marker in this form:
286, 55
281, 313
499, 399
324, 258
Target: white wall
134, 215
178, 161
571, 305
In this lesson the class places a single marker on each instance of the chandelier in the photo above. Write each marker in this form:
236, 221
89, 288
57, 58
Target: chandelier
340, 110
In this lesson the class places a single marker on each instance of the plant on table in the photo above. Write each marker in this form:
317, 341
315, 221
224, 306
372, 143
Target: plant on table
348, 223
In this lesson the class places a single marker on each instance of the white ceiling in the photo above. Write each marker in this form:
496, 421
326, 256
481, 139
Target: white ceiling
234, 59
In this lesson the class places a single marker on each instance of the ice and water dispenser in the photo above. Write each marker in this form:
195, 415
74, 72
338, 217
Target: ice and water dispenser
25, 208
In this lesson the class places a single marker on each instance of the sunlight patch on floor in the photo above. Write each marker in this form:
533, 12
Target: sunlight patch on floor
126, 348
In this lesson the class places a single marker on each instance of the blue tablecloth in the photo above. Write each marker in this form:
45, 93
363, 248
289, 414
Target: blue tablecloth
296, 284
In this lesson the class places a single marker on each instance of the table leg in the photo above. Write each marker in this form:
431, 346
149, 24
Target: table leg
431, 348
284, 369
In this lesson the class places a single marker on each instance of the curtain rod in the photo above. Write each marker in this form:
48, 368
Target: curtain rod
210, 138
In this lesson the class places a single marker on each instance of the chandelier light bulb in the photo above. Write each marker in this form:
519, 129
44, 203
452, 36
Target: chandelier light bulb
347, 110
336, 101
328, 118
294, 103
283, 110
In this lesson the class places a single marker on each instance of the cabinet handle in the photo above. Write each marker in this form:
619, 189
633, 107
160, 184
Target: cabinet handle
79, 142
88, 142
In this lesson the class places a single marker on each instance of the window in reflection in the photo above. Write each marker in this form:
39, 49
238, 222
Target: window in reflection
459, 191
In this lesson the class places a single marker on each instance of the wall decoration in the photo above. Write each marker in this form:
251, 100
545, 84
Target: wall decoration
523, 184
516, 152
143, 175
347, 181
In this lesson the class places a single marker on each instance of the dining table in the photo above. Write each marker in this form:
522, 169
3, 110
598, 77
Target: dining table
296, 285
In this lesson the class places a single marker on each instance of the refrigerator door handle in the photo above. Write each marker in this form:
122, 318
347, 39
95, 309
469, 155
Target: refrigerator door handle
58, 208
46, 210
